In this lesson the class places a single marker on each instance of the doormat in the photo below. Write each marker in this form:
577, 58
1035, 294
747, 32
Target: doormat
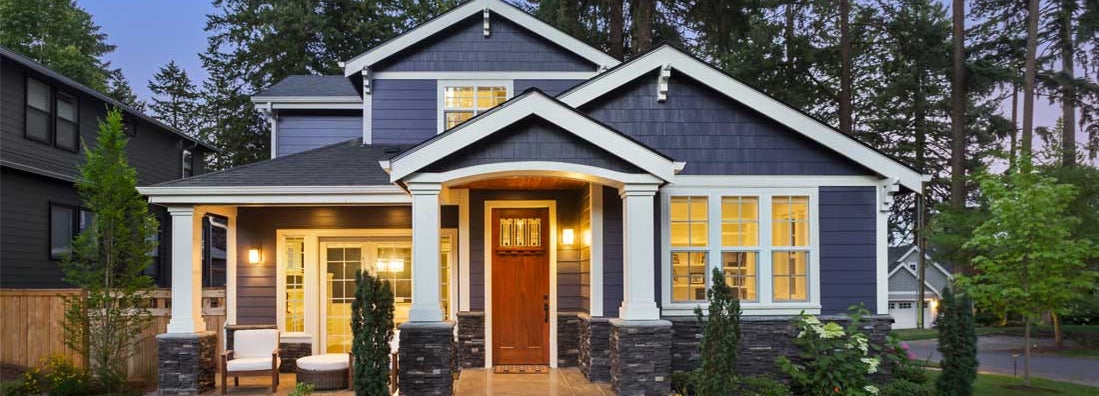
521, 369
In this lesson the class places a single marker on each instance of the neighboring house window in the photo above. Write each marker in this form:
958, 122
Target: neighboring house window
904, 305
66, 131
38, 111
689, 237
188, 164
740, 244
66, 222
790, 239
892, 305
128, 125
462, 101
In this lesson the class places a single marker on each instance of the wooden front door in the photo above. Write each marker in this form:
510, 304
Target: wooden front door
520, 286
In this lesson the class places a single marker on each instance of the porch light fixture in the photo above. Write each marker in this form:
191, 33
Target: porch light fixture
254, 256
568, 237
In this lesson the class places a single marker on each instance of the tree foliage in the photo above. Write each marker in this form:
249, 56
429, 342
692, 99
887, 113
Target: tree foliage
175, 99
958, 345
720, 334
372, 326
108, 259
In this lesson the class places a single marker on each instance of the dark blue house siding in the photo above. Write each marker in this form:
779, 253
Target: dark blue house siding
533, 139
612, 252
404, 111
712, 133
847, 248
463, 47
550, 87
299, 133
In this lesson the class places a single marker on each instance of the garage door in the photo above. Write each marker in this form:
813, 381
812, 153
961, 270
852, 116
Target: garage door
904, 314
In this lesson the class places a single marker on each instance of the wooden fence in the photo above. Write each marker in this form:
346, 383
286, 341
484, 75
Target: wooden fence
30, 327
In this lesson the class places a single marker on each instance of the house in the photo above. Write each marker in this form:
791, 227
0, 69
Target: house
44, 117
549, 204
904, 286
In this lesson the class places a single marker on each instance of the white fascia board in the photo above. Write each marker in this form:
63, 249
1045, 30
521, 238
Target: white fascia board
475, 7
768, 106
906, 254
537, 168
380, 194
479, 75
306, 99
548, 109
773, 181
914, 275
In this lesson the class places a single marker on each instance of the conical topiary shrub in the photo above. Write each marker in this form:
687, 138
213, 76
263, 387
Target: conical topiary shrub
372, 327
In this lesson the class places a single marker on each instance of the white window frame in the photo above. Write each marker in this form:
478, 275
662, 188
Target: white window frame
764, 304
442, 85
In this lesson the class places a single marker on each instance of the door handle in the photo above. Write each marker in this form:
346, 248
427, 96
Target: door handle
545, 306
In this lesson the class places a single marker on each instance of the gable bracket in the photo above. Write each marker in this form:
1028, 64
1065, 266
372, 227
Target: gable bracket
366, 81
662, 83
886, 191
484, 15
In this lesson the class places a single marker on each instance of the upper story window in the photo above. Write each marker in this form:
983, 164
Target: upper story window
51, 116
38, 111
67, 135
461, 100
188, 163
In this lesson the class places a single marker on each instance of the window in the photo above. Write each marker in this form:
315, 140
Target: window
740, 244
66, 132
689, 237
62, 229
790, 239
295, 285
188, 164
129, 126
904, 305
38, 111
462, 101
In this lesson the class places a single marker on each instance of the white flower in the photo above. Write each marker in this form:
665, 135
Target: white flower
811, 320
871, 389
864, 346
831, 330
872, 363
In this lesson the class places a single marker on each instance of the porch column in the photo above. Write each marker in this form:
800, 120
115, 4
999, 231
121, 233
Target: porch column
425, 253
639, 294
186, 271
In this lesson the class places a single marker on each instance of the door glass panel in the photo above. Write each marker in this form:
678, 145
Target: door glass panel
342, 263
295, 284
394, 265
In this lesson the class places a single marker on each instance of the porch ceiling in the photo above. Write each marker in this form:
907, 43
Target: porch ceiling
525, 183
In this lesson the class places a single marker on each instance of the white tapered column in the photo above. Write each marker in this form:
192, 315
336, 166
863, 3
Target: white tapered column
639, 294
425, 253
186, 271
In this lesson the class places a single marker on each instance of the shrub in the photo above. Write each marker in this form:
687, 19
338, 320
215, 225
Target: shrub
372, 326
301, 389
906, 388
720, 334
760, 386
55, 376
958, 345
834, 360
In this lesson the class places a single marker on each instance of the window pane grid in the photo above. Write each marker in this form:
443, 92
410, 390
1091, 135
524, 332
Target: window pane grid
740, 273
460, 103
295, 284
739, 221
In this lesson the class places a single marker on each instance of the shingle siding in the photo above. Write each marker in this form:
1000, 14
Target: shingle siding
463, 47
848, 251
404, 111
550, 87
612, 252
297, 133
712, 133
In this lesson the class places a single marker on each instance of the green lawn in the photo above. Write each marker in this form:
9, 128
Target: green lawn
915, 334
1039, 331
999, 385
1079, 353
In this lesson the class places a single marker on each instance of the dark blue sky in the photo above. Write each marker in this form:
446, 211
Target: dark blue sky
150, 33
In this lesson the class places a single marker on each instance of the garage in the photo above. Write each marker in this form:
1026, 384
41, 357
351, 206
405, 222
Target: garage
904, 314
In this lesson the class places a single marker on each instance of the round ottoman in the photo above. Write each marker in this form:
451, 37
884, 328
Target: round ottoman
325, 372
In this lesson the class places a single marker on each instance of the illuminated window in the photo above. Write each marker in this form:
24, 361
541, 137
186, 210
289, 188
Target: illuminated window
690, 237
740, 245
790, 241
462, 102
295, 284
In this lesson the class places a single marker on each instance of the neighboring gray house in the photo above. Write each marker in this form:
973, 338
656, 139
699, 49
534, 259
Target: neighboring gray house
556, 205
904, 286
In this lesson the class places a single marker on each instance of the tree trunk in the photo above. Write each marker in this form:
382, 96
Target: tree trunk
845, 68
957, 110
1031, 71
1068, 91
1058, 336
617, 24
1026, 351
1011, 162
643, 12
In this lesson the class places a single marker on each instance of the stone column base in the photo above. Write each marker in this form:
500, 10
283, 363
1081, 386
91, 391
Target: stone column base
186, 363
568, 339
595, 348
425, 358
641, 357
471, 339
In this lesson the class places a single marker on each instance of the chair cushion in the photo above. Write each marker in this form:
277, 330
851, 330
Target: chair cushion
250, 364
326, 362
255, 343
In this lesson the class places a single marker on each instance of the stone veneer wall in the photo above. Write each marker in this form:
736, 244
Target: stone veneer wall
595, 350
641, 360
290, 349
568, 339
471, 339
762, 339
426, 352
186, 363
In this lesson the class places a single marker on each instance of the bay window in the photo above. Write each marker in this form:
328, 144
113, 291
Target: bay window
761, 240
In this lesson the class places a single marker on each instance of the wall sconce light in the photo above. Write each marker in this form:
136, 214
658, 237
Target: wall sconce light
254, 256
568, 237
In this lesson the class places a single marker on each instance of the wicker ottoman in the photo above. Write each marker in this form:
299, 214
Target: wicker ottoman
325, 372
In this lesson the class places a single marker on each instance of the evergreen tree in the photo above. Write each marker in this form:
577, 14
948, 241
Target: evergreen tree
175, 99
372, 327
720, 334
958, 345
119, 88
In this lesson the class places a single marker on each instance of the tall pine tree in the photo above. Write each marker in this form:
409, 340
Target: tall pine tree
175, 99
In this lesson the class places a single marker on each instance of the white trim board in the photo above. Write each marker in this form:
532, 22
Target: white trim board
552, 206
460, 13
332, 195
553, 111
483, 75
742, 93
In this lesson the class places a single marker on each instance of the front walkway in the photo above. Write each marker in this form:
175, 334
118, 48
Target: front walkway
474, 382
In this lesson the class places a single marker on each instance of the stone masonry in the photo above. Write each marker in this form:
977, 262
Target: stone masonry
568, 339
471, 339
595, 350
186, 363
425, 358
641, 361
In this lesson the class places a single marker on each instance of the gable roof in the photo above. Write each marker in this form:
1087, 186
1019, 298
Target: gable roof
905, 271
792, 118
456, 15
898, 255
42, 69
533, 102
310, 85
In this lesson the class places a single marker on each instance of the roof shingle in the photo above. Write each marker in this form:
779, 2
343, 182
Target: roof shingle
311, 85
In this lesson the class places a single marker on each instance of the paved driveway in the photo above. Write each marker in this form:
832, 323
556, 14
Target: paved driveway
995, 356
